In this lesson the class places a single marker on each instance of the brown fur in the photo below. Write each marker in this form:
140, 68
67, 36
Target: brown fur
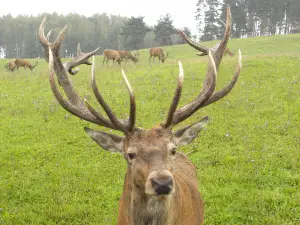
157, 52
24, 63
124, 55
11, 66
113, 55
183, 207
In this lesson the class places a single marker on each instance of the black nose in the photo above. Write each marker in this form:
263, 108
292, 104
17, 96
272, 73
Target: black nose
162, 186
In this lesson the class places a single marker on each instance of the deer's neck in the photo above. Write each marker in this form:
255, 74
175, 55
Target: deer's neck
150, 210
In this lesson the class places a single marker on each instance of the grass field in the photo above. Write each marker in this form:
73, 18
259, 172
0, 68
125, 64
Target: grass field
247, 160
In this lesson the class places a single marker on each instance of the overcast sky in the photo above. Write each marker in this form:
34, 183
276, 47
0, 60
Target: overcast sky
182, 12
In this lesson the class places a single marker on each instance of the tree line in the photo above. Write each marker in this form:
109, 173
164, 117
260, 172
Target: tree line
18, 35
249, 17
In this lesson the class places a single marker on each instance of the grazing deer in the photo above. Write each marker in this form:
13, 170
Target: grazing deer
24, 63
113, 55
124, 55
11, 66
161, 185
157, 52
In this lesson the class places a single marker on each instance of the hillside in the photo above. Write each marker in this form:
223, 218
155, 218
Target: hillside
247, 159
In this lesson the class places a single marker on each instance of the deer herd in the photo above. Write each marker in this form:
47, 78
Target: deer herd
15, 64
161, 184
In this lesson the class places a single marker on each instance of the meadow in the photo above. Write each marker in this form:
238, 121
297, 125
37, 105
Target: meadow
247, 160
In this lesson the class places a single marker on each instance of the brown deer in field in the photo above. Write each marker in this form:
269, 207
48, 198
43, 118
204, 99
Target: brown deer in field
157, 52
113, 55
161, 185
125, 55
24, 63
11, 66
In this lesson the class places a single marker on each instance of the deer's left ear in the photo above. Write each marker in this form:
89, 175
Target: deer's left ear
109, 142
187, 134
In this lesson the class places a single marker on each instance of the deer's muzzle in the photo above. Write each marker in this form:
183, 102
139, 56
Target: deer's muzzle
160, 183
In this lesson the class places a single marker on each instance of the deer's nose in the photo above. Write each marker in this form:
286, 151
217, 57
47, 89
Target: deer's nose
162, 185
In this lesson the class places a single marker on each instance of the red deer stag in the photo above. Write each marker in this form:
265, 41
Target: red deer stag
157, 52
113, 55
11, 66
125, 55
161, 185
25, 63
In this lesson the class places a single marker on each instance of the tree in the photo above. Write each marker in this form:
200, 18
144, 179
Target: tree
163, 30
200, 15
134, 32
238, 14
211, 31
149, 41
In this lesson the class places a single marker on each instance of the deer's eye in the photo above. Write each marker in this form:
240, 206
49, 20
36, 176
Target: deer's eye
131, 156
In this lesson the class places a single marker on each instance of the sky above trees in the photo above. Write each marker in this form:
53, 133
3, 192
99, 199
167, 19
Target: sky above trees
182, 12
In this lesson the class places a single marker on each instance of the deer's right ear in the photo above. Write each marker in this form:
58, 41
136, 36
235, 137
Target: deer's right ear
109, 142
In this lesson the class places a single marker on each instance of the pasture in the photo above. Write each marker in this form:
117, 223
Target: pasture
247, 160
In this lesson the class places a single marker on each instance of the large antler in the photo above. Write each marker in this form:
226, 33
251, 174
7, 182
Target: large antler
220, 47
74, 104
207, 94
81, 58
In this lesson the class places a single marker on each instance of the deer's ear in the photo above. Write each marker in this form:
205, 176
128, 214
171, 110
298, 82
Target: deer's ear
187, 134
109, 142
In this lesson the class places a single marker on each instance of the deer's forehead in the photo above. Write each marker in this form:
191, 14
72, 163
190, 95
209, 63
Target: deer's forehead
151, 140
150, 148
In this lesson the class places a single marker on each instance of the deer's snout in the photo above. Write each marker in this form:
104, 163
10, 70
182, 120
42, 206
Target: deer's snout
160, 183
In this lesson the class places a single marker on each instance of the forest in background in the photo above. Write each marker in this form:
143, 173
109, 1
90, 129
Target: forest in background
250, 18
18, 35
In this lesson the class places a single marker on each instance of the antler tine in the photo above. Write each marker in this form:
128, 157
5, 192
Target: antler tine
81, 58
103, 120
131, 121
207, 90
176, 97
60, 38
200, 48
44, 41
207, 95
71, 108
117, 123
74, 104
220, 94
219, 53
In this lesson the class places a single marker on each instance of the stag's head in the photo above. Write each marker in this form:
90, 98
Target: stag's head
163, 57
150, 153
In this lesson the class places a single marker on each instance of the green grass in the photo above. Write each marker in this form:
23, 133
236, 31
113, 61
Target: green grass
247, 160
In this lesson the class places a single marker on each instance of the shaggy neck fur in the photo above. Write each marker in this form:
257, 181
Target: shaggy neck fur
149, 210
